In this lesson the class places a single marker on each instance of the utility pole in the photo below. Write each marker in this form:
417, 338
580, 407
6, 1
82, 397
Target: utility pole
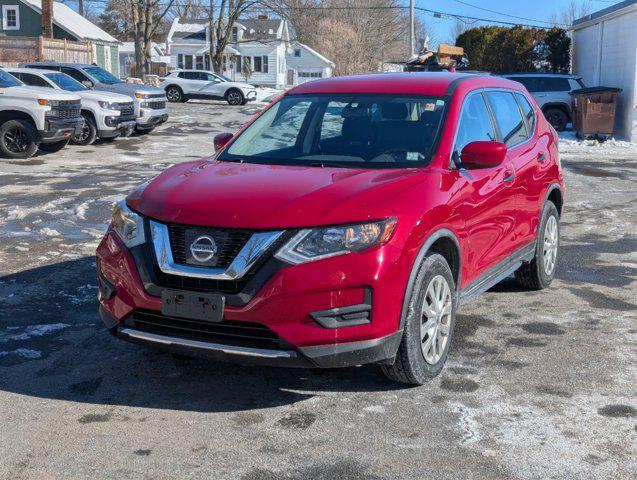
80, 7
412, 39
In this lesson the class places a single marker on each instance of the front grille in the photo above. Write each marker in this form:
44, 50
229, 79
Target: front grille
126, 108
156, 105
156, 95
66, 109
229, 242
227, 332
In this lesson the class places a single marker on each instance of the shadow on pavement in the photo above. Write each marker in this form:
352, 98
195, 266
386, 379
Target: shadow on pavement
53, 345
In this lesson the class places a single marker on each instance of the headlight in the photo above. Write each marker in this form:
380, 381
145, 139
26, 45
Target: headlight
128, 225
142, 95
317, 243
107, 105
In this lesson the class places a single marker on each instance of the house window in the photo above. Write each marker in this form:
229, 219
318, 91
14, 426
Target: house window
265, 64
199, 62
257, 64
239, 63
224, 63
10, 17
180, 60
311, 74
235, 34
188, 62
297, 52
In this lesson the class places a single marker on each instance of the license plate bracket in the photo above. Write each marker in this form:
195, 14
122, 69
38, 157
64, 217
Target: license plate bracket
207, 307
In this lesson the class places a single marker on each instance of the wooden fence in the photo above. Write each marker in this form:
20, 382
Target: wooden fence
14, 50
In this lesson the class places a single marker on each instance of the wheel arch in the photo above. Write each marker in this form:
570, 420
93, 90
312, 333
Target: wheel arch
554, 194
558, 105
89, 113
6, 115
445, 243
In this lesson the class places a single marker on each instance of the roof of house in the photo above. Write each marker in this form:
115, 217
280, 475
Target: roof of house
253, 29
604, 12
313, 52
68, 19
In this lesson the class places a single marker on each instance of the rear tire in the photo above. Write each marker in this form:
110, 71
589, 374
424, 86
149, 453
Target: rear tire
54, 146
557, 118
174, 94
87, 135
18, 139
539, 272
428, 328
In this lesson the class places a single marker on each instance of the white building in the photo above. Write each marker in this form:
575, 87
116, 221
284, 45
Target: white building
605, 54
263, 44
127, 56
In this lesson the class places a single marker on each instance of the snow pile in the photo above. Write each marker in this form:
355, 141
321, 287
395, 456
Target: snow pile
265, 94
34, 331
569, 143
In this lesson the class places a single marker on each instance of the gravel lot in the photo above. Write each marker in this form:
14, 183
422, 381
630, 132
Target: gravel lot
539, 384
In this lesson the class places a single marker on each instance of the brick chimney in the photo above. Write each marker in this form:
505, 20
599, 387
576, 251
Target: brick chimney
47, 18
263, 16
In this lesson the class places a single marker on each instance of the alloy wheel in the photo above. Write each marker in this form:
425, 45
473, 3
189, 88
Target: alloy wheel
84, 134
551, 241
435, 322
173, 95
16, 140
234, 98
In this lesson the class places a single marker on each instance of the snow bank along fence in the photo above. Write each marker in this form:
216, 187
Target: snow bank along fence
14, 50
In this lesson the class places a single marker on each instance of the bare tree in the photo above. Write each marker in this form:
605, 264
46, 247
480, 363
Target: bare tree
147, 16
572, 11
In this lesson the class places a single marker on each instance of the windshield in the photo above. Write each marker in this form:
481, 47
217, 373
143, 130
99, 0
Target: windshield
366, 131
65, 82
7, 80
223, 77
102, 75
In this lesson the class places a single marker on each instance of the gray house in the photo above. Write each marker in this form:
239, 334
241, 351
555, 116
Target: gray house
22, 18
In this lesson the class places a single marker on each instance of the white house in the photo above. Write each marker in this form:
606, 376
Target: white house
605, 54
127, 56
263, 44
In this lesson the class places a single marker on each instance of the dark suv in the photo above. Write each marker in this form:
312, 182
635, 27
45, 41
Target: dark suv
551, 92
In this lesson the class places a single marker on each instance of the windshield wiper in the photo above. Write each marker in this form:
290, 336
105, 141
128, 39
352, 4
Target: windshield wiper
326, 165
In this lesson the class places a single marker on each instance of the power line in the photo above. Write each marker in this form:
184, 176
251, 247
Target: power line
506, 14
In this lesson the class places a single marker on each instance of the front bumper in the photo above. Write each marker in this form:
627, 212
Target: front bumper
120, 126
300, 306
150, 118
60, 129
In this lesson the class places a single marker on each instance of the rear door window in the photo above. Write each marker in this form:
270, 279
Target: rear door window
528, 112
34, 80
554, 84
508, 118
76, 74
475, 123
531, 83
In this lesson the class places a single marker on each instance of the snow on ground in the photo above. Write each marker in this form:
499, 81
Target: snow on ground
570, 144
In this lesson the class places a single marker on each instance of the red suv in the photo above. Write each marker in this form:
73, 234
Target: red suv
343, 225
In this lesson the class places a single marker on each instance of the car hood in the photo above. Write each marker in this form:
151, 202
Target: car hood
103, 96
246, 86
24, 91
244, 195
132, 88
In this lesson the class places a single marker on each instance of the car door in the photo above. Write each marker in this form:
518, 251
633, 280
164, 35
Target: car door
212, 85
190, 82
78, 75
33, 80
483, 197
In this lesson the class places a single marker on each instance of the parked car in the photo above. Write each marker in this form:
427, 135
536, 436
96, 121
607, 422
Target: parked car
150, 102
182, 85
106, 115
551, 92
343, 225
32, 117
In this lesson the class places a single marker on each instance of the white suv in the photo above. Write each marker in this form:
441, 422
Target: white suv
182, 85
32, 117
106, 115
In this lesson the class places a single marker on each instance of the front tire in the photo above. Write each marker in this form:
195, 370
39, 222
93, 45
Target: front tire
18, 139
234, 97
54, 146
539, 272
428, 328
87, 134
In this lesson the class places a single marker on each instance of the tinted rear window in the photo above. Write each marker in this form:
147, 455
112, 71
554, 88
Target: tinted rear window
554, 84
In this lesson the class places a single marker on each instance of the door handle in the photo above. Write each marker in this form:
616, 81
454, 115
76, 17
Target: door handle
541, 157
509, 177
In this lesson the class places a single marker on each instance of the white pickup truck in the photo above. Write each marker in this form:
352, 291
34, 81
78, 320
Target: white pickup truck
32, 117
106, 115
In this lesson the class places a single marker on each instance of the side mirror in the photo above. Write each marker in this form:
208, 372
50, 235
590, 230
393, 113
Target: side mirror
483, 154
222, 140
87, 83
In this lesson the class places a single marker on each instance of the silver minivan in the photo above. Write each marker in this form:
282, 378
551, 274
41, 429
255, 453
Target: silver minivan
551, 92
